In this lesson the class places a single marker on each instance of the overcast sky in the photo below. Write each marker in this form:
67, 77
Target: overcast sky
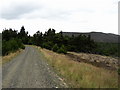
65, 15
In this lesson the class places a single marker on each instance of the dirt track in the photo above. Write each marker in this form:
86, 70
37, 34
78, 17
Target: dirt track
29, 70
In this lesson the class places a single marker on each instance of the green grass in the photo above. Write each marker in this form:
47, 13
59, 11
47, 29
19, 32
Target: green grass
80, 75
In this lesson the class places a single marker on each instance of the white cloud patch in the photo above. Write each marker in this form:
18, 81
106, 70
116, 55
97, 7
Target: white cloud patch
66, 15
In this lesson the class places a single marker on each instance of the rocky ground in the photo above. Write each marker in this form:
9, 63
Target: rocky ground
97, 60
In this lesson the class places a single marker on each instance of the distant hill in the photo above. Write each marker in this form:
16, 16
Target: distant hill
97, 36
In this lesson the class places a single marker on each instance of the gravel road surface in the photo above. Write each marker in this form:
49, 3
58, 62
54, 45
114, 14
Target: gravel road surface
29, 70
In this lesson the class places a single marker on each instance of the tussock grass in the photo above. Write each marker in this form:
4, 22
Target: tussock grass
80, 75
9, 57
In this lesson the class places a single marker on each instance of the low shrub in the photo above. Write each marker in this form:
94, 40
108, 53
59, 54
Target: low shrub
11, 46
62, 49
55, 48
47, 45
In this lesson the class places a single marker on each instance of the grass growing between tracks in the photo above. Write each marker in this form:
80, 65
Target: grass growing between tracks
81, 75
10, 56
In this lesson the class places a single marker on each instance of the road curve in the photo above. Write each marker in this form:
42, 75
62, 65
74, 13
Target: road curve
29, 70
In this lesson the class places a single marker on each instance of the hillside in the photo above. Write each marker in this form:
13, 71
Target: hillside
97, 36
84, 73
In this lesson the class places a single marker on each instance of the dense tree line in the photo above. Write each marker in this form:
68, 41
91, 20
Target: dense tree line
12, 40
61, 44
108, 49
57, 42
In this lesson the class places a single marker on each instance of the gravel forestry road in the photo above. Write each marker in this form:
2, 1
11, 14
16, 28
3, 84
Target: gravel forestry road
30, 70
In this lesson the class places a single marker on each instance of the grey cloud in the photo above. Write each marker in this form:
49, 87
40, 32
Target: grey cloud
15, 11
48, 13
56, 15
28, 10
31, 10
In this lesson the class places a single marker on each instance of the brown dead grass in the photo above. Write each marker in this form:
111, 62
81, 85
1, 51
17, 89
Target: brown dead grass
80, 75
9, 57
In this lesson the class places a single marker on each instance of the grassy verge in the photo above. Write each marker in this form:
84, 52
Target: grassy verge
10, 56
81, 75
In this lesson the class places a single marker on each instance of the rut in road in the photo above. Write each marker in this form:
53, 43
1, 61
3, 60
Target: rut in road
29, 70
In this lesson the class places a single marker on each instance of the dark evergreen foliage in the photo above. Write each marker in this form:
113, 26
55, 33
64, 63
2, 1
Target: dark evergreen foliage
59, 43
11, 46
62, 49
13, 40
55, 48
